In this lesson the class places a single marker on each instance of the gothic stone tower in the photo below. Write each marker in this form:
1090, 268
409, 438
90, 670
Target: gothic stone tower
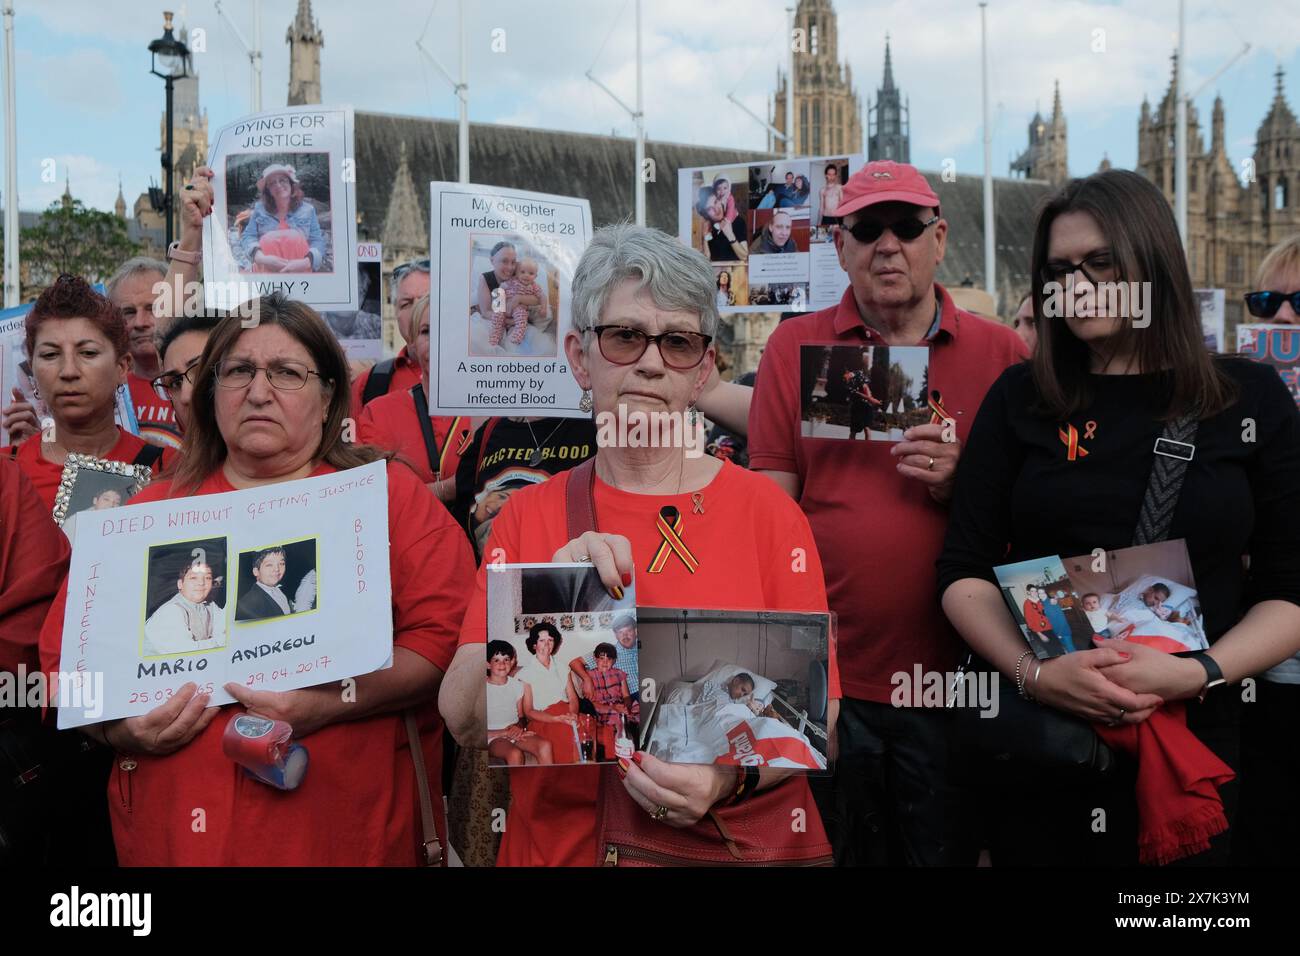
827, 111
888, 131
305, 41
1047, 155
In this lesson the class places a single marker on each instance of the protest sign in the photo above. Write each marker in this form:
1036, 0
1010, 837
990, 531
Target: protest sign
1212, 305
1275, 345
505, 261
361, 332
229, 587
284, 214
767, 229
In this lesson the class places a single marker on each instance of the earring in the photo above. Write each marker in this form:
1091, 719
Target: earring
586, 404
694, 418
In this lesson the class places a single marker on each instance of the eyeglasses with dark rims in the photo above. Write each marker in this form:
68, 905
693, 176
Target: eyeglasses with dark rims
287, 376
680, 349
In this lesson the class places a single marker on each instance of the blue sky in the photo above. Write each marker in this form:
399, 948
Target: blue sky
87, 102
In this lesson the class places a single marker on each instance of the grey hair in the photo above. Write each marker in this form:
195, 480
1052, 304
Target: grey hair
678, 278
133, 267
402, 271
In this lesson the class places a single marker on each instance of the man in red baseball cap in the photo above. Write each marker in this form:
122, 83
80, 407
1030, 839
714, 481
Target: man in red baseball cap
879, 509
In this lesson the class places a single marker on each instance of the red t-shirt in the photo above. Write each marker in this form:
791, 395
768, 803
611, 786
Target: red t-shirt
744, 543
405, 374
357, 805
879, 532
45, 475
33, 562
391, 422
154, 413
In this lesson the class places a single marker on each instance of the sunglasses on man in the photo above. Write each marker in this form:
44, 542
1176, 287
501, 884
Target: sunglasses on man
1264, 305
906, 229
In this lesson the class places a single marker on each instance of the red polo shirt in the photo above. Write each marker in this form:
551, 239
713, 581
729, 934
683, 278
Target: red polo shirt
33, 561
405, 374
878, 532
391, 422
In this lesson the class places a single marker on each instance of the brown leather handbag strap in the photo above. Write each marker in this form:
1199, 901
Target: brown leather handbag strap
580, 499
431, 844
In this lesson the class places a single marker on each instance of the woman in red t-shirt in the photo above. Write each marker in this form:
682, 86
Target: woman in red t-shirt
644, 314
393, 422
79, 350
268, 406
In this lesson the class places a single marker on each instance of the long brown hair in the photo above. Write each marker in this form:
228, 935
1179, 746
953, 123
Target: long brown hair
204, 450
1137, 221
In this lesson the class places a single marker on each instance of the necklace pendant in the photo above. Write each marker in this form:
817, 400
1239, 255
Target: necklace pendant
535, 459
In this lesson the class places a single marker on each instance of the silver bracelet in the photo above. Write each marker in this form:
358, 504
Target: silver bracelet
1038, 666
1020, 679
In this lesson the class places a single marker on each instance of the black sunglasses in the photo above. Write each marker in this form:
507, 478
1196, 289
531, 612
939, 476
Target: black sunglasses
1264, 305
906, 229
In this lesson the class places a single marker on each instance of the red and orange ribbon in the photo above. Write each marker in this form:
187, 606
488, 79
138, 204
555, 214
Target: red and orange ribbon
466, 436
938, 414
1070, 437
669, 522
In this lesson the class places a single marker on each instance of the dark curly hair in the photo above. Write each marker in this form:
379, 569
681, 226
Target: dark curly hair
71, 297
536, 631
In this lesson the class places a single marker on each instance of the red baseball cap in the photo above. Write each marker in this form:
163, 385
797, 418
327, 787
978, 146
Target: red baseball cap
885, 181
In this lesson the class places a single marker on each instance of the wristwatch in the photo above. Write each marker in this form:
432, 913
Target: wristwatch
174, 251
1213, 675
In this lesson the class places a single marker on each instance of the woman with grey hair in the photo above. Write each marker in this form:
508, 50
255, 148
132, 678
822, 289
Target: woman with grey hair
699, 531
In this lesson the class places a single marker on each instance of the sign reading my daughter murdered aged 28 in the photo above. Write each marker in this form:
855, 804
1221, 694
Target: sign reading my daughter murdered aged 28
230, 587
504, 266
284, 210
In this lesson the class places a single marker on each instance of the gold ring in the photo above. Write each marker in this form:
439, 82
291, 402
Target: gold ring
930, 467
659, 813
584, 559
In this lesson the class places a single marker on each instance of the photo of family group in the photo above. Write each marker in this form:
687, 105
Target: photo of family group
562, 678
278, 212
863, 393
773, 219
514, 295
736, 687
278, 580
185, 598
93, 484
1144, 594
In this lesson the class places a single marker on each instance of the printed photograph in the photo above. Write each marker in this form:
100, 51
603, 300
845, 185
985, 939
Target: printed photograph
830, 176
93, 484
736, 687
185, 598
562, 678
783, 296
733, 285
277, 581
367, 322
514, 298
278, 213
1042, 601
776, 231
1144, 594
784, 185
1275, 345
720, 227
863, 393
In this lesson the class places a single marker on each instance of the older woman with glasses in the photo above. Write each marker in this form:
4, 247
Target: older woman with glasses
644, 318
179, 350
268, 406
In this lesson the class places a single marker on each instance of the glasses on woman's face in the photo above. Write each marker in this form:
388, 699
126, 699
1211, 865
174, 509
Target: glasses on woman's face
287, 376
1098, 267
169, 383
680, 350
1264, 305
907, 229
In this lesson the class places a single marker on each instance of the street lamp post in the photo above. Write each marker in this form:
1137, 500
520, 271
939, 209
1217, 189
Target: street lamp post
169, 61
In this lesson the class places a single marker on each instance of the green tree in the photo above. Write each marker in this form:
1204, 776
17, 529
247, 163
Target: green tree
71, 238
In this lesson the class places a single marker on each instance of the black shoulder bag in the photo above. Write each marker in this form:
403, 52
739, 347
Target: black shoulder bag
1030, 734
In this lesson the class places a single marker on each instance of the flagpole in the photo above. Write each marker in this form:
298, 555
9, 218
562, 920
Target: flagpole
462, 92
12, 236
789, 85
990, 259
1180, 134
640, 127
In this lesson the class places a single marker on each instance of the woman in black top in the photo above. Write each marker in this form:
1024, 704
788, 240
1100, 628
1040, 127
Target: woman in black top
1025, 489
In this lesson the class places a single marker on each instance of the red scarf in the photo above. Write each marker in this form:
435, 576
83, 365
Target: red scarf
1179, 808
